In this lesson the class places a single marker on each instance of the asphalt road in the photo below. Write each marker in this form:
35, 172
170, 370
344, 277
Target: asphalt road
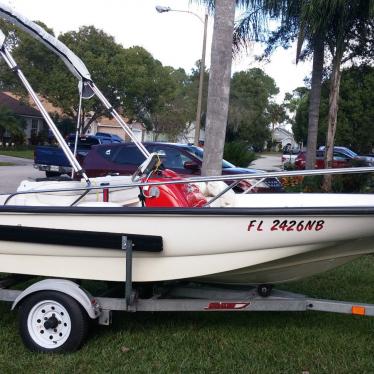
11, 176
268, 163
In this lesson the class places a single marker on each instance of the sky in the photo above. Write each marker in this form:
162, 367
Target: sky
173, 38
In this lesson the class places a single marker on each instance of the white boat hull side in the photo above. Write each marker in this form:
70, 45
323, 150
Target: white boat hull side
220, 248
147, 269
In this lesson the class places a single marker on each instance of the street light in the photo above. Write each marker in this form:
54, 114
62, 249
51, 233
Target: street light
164, 9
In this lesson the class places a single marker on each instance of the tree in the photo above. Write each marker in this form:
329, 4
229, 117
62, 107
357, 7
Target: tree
338, 24
10, 124
276, 114
350, 25
135, 83
251, 108
297, 104
292, 101
355, 113
175, 112
219, 86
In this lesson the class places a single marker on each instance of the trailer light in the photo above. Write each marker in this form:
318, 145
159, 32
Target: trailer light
226, 306
358, 310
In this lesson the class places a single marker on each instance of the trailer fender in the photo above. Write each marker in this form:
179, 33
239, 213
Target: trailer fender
88, 303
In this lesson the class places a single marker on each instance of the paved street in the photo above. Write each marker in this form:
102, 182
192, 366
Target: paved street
11, 176
268, 163
16, 160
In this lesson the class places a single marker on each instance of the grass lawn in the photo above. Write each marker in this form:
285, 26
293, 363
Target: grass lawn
6, 164
27, 153
313, 342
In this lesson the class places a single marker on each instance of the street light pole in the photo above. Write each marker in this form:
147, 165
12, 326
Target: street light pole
201, 84
162, 9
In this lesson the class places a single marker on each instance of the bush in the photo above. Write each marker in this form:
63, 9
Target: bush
289, 166
238, 154
345, 183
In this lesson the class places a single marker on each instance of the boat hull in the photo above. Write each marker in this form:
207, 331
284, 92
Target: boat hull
236, 246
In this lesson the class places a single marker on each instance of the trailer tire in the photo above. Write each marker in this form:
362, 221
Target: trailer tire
52, 321
264, 290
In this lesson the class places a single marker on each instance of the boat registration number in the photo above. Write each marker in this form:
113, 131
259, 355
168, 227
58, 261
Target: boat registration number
287, 225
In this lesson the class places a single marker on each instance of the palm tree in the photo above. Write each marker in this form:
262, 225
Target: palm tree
299, 20
296, 23
351, 25
320, 23
219, 86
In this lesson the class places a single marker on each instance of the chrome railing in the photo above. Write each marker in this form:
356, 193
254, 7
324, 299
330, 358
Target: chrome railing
235, 178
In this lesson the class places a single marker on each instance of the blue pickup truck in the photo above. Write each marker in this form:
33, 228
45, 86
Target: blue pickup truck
53, 161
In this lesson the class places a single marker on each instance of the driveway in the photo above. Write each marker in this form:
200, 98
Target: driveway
268, 162
11, 176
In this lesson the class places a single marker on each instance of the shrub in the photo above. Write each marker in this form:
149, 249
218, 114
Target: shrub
289, 166
239, 154
345, 183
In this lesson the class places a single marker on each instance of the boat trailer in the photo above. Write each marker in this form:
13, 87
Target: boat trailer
54, 312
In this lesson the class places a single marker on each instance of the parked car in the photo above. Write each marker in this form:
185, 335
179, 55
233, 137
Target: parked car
289, 155
353, 156
109, 138
339, 160
184, 159
53, 161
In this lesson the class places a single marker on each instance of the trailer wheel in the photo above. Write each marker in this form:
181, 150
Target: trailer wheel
264, 290
51, 321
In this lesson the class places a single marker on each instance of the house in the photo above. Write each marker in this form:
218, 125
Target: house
186, 136
282, 137
111, 126
34, 122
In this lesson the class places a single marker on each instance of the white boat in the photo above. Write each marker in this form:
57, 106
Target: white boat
268, 244
234, 239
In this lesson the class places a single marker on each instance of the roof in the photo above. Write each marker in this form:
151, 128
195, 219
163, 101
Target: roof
18, 107
283, 131
27, 107
49, 107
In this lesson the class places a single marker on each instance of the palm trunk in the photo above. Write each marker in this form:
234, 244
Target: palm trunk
332, 118
315, 99
219, 87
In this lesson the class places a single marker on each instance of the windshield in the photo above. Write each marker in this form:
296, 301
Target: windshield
199, 153
83, 142
348, 151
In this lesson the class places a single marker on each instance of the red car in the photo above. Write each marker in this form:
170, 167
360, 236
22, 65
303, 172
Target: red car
183, 159
339, 160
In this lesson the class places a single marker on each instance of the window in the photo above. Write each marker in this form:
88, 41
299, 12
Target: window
199, 153
340, 156
130, 156
34, 127
173, 159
